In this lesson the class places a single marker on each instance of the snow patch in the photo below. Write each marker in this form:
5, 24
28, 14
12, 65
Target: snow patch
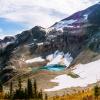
56, 59
59, 58
89, 74
64, 23
67, 59
49, 57
39, 44
86, 16
38, 59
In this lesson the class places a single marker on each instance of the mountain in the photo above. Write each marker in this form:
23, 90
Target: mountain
81, 19
66, 42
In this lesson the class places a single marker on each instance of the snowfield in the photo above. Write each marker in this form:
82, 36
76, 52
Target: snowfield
39, 44
89, 73
59, 58
38, 59
63, 24
56, 58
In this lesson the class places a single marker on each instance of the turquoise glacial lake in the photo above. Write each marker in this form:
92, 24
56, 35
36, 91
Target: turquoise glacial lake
49, 68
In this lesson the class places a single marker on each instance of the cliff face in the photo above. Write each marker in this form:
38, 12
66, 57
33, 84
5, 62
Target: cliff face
73, 34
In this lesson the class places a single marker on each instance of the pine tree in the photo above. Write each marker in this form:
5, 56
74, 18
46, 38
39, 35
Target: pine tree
46, 97
26, 94
19, 93
1, 90
29, 89
35, 89
96, 92
40, 95
1, 87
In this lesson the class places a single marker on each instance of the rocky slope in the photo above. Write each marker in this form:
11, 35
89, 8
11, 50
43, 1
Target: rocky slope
72, 35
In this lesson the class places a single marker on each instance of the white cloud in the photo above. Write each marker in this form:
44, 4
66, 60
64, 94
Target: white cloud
41, 12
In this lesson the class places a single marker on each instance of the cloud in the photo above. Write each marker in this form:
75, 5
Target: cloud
41, 12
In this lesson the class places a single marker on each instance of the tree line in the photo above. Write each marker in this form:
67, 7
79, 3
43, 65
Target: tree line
27, 93
30, 92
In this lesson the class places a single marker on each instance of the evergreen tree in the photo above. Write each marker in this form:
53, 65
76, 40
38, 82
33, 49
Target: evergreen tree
40, 95
29, 89
1, 91
46, 97
96, 91
35, 89
1, 87
19, 93
26, 94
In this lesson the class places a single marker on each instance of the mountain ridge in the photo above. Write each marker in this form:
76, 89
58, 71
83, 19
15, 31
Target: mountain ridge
71, 35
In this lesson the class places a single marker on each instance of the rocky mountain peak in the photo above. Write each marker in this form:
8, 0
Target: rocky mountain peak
70, 37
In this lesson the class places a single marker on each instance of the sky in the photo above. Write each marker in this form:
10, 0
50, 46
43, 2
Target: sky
19, 15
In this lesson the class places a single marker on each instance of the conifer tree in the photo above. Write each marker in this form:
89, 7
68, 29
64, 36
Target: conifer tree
26, 94
1, 87
35, 88
96, 91
1, 90
29, 89
19, 93
46, 97
40, 95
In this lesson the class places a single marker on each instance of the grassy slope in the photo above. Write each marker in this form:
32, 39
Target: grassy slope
87, 94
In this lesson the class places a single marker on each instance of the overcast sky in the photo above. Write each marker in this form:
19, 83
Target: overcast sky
18, 15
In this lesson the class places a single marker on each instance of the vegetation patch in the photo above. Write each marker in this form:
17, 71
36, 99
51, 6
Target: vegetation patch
73, 75
86, 94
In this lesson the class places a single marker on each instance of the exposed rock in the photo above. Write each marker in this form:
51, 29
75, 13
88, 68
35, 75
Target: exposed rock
73, 34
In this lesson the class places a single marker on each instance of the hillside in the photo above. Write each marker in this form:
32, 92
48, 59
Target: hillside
67, 53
